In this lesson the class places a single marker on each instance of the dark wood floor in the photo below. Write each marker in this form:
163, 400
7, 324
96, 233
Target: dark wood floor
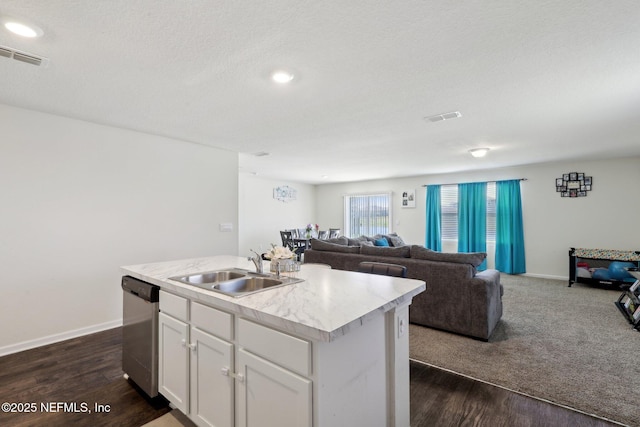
441, 398
88, 370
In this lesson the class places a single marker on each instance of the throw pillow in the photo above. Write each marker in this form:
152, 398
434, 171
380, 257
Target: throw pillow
395, 240
381, 242
401, 252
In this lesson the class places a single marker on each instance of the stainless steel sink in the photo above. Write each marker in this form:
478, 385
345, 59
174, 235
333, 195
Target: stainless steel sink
247, 285
234, 281
210, 277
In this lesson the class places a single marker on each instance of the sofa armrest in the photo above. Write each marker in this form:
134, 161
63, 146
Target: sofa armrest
486, 302
492, 277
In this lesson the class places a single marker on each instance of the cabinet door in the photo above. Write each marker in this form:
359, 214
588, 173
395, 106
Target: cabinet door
211, 390
270, 396
173, 361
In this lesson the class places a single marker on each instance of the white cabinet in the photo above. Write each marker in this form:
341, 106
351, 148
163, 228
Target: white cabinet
173, 361
264, 383
192, 363
211, 391
224, 370
270, 395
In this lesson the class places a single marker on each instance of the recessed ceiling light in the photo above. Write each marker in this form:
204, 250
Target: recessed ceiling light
22, 29
281, 76
479, 152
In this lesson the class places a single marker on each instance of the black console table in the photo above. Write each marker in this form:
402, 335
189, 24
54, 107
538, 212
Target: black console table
598, 258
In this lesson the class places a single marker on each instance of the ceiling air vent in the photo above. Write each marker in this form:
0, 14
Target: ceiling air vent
28, 58
443, 116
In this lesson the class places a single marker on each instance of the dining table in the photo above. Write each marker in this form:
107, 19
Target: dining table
299, 241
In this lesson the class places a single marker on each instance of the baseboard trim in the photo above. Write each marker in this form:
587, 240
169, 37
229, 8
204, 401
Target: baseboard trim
51, 339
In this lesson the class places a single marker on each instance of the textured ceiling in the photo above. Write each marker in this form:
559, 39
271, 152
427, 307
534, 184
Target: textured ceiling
534, 81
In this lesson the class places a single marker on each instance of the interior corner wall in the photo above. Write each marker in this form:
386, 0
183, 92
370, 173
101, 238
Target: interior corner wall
606, 218
79, 200
262, 217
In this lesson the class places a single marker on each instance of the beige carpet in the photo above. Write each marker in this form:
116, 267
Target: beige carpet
567, 345
174, 418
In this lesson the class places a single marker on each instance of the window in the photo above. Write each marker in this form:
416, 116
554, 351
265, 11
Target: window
367, 214
449, 206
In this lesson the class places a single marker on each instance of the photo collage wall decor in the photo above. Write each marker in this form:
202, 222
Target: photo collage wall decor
574, 184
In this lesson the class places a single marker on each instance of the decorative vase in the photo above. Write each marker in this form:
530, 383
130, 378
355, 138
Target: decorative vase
284, 265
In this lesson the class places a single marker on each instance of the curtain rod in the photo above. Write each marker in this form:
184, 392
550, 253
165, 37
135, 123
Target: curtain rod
456, 183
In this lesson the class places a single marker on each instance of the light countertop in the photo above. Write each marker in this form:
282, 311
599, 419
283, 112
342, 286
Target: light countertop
324, 306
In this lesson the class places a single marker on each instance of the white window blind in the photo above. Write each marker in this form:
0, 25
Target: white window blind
491, 211
449, 206
367, 214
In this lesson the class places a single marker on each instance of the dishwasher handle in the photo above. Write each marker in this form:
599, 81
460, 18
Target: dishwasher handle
140, 289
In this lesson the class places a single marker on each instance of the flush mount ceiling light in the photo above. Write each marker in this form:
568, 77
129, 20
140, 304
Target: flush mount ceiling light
281, 76
479, 152
22, 28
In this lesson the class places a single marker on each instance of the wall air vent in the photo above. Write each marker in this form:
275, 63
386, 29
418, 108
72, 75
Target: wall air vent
443, 116
25, 57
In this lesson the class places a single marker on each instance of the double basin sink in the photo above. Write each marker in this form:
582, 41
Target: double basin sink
235, 282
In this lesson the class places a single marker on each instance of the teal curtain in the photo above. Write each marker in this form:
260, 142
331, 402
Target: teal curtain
433, 235
472, 218
509, 228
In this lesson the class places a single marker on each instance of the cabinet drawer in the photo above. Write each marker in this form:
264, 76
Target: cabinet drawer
212, 320
287, 351
174, 305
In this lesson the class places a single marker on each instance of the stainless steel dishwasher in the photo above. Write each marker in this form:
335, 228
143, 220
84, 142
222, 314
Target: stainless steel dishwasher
140, 333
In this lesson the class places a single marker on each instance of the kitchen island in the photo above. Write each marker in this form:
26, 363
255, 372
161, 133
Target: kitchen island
331, 350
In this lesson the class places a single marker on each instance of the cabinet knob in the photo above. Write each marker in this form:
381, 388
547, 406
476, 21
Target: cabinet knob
240, 377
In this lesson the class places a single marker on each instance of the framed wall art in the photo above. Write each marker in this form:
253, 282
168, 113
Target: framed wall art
409, 199
573, 184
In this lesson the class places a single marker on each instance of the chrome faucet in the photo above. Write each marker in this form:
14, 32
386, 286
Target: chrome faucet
257, 261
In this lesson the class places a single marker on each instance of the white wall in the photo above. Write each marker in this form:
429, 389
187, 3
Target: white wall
262, 217
607, 218
79, 200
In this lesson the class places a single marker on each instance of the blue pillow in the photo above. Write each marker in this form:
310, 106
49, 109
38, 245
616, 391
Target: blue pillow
381, 242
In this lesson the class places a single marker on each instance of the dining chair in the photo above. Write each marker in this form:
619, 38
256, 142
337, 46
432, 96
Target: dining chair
323, 235
287, 240
334, 233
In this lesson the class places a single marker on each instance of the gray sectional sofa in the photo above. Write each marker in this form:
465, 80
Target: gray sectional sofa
458, 298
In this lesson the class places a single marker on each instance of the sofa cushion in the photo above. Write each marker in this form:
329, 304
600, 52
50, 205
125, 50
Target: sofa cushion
473, 258
358, 241
401, 252
323, 245
342, 240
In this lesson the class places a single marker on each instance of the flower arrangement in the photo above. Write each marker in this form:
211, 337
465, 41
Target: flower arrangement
309, 228
279, 252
